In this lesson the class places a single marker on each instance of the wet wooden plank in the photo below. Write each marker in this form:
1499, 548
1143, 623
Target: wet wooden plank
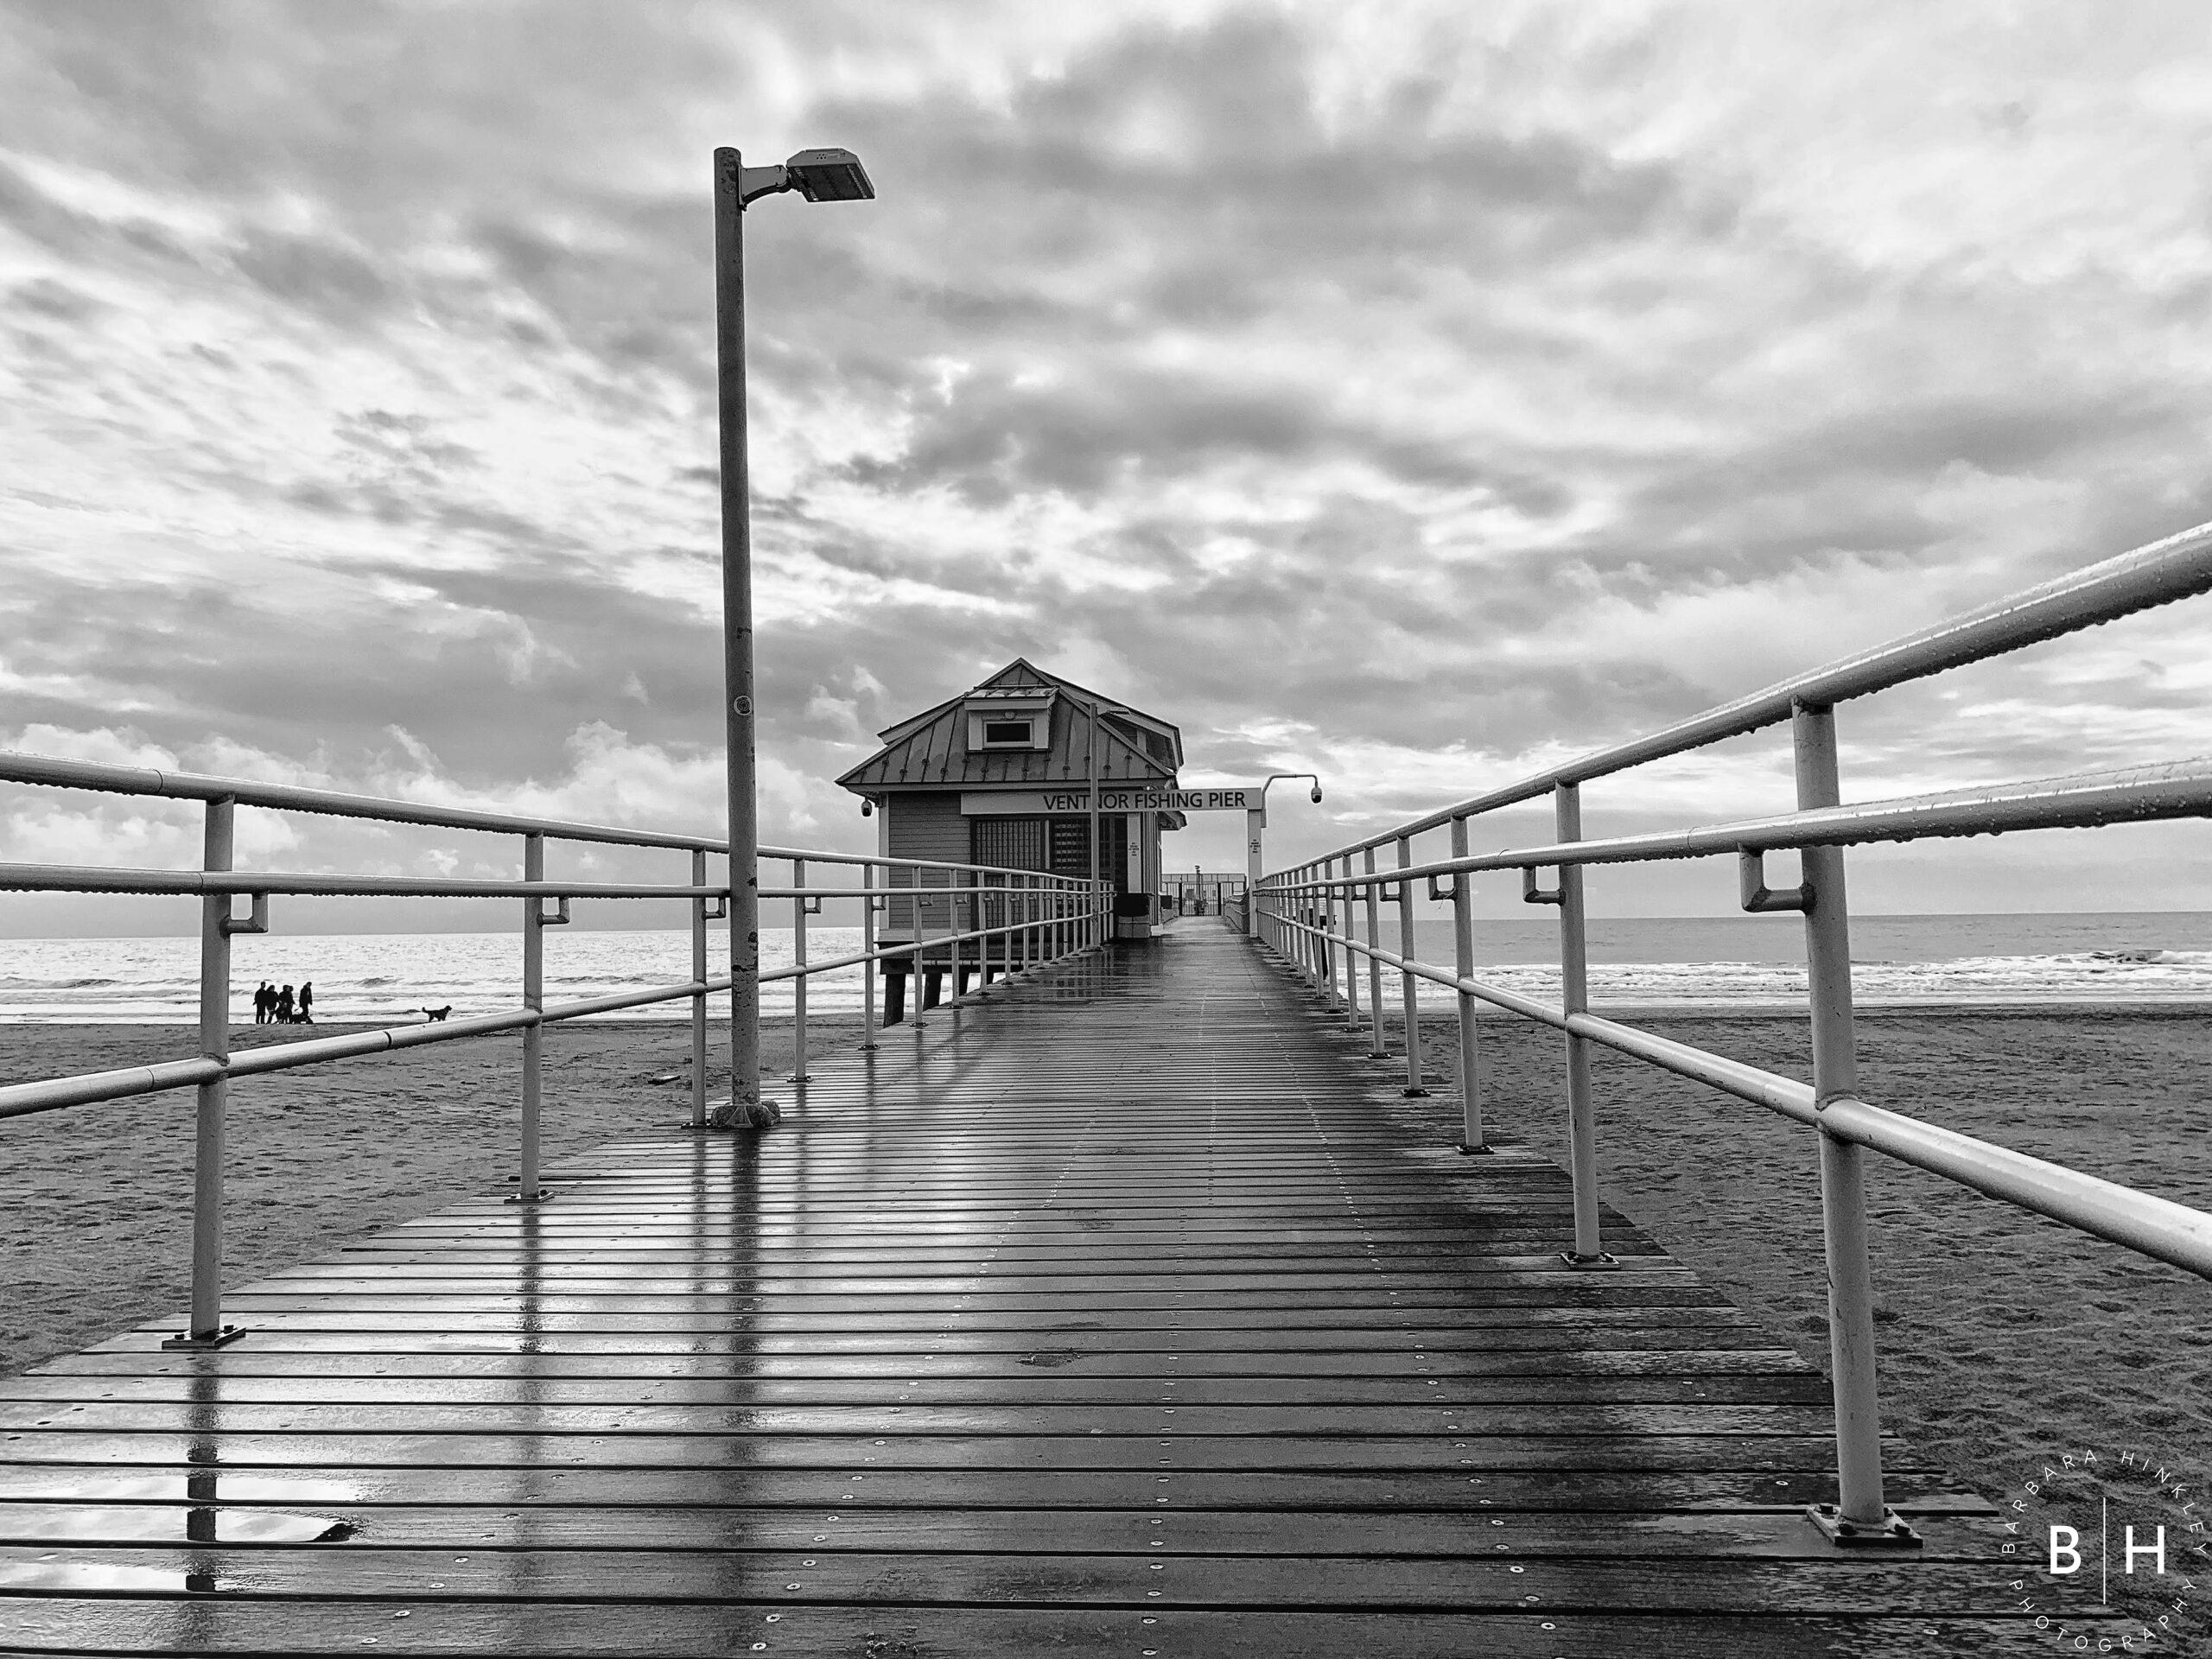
616, 1446
1781, 1534
547, 1486
956, 1354
1233, 1326
1066, 1386
1023, 1417
564, 1629
1467, 1584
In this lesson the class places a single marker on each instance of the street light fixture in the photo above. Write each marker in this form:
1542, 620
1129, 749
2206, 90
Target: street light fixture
1291, 776
816, 176
1256, 821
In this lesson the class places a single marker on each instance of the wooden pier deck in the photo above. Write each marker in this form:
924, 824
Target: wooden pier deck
1125, 1313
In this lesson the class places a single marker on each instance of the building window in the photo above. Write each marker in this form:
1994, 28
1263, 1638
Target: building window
1015, 721
1071, 847
1007, 843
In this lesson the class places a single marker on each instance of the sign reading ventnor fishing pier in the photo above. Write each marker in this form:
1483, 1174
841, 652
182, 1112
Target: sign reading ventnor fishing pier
1046, 803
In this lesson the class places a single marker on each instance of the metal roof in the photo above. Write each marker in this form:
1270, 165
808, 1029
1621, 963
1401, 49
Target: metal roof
929, 750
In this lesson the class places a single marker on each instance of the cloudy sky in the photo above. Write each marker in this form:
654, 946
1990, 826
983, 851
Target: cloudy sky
1412, 393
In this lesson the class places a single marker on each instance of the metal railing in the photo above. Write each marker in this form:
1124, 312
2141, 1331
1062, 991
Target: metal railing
1014, 919
1310, 915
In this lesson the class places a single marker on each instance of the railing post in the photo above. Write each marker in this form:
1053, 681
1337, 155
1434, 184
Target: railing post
533, 998
956, 949
1305, 901
1463, 955
1331, 897
1407, 982
206, 1328
1316, 912
921, 934
1299, 915
799, 961
1575, 996
982, 924
978, 909
1377, 1049
699, 998
1859, 1515
867, 950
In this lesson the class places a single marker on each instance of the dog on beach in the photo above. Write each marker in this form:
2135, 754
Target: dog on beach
437, 1014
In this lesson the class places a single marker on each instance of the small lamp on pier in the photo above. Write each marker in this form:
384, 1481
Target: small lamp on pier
1257, 822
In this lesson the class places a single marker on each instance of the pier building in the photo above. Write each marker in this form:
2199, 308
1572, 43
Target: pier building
1002, 775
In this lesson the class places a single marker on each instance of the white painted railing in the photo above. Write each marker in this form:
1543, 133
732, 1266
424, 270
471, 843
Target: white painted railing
1003, 921
1312, 915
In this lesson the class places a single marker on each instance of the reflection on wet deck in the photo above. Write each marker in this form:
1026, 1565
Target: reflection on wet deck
1125, 1311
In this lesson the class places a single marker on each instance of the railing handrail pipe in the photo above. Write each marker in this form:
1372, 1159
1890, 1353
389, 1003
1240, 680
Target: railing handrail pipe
2157, 573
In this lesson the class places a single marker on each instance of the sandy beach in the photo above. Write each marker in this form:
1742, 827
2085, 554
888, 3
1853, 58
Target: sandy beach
2007, 1340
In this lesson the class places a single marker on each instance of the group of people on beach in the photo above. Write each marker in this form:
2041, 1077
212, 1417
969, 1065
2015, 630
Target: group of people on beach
272, 1007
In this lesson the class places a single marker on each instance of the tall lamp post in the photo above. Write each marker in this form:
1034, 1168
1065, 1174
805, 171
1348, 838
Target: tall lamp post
817, 175
1256, 821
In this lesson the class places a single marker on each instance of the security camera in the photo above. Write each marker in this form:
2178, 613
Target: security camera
867, 807
1316, 794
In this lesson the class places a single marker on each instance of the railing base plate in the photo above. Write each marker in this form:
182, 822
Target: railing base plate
1892, 1533
1599, 1263
1415, 1094
758, 1114
1466, 1151
544, 1195
228, 1335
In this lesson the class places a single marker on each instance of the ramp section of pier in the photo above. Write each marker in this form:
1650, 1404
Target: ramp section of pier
1122, 1312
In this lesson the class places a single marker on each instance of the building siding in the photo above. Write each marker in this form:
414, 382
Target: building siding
925, 825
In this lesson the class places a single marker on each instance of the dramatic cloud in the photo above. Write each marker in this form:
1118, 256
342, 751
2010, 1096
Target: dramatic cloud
1416, 394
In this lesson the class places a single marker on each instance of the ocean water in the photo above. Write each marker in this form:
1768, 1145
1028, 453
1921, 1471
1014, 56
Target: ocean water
391, 978
1759, 961
1749, 962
